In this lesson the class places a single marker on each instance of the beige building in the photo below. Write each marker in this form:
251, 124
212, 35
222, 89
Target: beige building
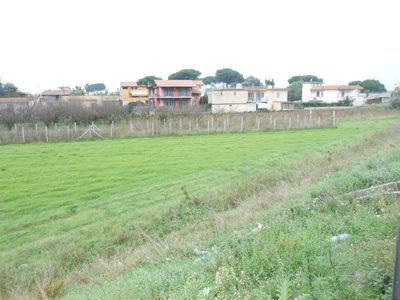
131, 92
93, 100
246, 99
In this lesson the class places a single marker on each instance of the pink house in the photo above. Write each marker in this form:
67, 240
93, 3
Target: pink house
176, 93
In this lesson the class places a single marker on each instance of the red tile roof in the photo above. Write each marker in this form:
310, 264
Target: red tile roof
175, 83
128, 83
336, 87
198, 82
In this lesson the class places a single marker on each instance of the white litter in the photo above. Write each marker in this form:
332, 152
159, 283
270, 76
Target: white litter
340, 237
259, 226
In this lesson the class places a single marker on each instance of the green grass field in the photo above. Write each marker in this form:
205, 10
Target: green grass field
71, 203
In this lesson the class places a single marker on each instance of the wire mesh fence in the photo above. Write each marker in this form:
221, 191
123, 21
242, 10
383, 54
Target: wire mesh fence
158, 126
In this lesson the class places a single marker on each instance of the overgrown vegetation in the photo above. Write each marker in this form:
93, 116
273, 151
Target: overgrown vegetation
134, 225
346, 102
395, 103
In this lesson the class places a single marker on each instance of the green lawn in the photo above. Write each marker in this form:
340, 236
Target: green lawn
71, 202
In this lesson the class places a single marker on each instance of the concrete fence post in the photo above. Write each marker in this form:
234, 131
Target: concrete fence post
396, 271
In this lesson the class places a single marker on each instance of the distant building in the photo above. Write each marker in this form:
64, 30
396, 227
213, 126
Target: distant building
319, 92
16, 101
131, 92
246, 99
176, 93
93, 101
55, 95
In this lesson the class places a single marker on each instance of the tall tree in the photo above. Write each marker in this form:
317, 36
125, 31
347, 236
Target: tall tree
97, 87
305, 78
228, 76
148, 80
370, 85
185, 74
78, 91
209, 80
11, 90
2, 91
252, 81
295, 90
270, 82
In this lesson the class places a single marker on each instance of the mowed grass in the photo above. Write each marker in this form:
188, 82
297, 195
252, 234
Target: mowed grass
71, 202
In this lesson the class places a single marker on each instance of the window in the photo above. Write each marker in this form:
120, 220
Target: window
250, 97
260, 96
182, 92
278, 94
169, 103
183, 103
168, 92
342, 94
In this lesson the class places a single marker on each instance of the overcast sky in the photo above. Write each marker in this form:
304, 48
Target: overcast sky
47, 44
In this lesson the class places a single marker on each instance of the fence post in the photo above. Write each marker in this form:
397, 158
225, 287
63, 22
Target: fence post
36, 129
208, 126
75, 127
334, 118
224, 125
212, 122
164, 124
241, 124
290, 122
319, 121
180, 124
68, 132
310, 115
396, 272
47, 135
170, 127
23, 135
152, 128
274, 123
190, 128
55, 126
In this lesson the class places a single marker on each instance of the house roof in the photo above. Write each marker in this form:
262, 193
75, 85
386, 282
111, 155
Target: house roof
13, 100
198, 82
175, 83
128, 83
56, 93
336, 87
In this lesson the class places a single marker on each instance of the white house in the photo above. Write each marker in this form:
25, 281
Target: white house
246, 99
319, 92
